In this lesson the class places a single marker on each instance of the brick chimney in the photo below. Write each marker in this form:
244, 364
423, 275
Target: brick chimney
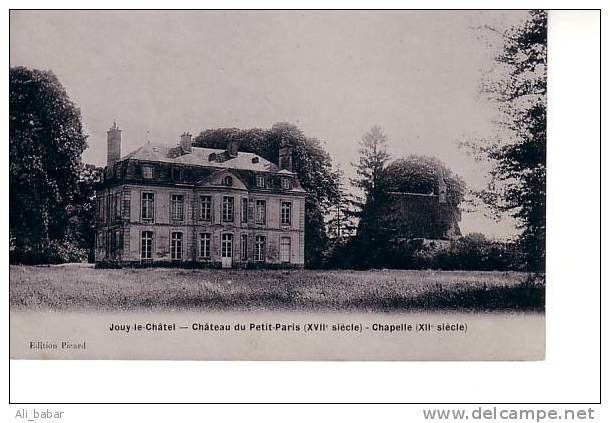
233, 148
114, 145
186, 143
285, 156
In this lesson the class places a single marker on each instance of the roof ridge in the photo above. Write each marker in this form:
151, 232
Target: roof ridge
198, 157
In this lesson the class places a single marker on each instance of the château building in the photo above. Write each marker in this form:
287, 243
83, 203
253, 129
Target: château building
194, 206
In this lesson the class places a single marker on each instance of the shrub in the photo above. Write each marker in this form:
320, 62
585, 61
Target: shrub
471, 252
51, 252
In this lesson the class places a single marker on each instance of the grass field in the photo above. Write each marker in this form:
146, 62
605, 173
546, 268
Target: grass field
76, 287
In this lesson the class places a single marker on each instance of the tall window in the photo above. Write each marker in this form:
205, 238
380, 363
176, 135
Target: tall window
244, 247
260, 181
227, 245
244, 210
148, 206
176, 246
259, 248
110, 201
206, 207
286, 213
261, 211
99, 208
117, 206
204, 245
146, 245
177, 207
114, 243
117, 240
227, 209
109, 246
285, 249
100, 240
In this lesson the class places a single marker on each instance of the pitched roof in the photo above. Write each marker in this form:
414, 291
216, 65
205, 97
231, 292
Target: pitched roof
201, 157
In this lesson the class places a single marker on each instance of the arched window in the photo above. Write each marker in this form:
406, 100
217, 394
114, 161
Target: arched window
228, 180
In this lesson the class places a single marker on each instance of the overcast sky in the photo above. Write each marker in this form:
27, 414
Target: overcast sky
334, 74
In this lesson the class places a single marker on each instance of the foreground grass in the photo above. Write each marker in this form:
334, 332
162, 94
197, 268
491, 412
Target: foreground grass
75, 287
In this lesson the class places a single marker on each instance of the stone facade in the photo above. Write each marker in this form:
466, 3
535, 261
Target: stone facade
413, 215
430, 216
200, 207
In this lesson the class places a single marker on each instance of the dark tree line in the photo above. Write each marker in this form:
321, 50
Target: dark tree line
49, 191
518, 154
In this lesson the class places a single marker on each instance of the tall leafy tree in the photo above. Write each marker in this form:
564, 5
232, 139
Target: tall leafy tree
341, 223
518, 154
311, 163
369, 171
373, 156
82, 211
46, 141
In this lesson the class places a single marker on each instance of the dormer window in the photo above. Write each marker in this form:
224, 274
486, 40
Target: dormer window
176, 174
147, 172
285, 183
254, 160
260, 181
227, 181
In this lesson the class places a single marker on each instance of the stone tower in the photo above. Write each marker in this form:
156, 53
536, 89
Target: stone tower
114, 145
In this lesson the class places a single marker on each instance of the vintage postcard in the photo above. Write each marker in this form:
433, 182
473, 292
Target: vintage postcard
277, 185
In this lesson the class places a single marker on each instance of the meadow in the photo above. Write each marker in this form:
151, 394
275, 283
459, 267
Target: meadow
82, 287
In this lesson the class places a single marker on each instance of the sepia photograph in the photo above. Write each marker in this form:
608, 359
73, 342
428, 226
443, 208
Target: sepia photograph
277, 184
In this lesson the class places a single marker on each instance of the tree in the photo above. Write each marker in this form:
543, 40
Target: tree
518, 154
341, 223
46, 141
82, 212
311, 163
373, 157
